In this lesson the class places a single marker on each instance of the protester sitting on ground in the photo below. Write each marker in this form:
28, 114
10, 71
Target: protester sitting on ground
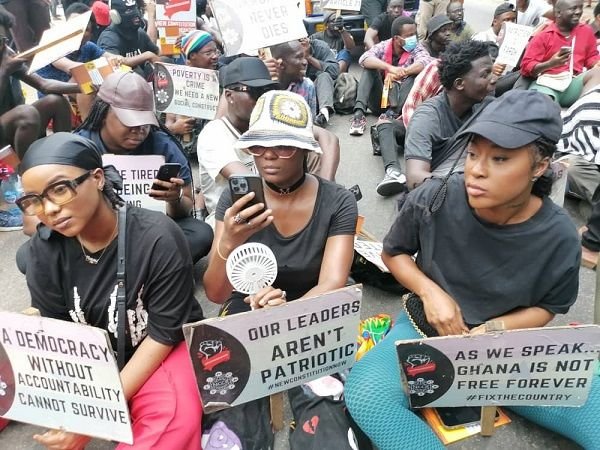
122, 121
559, 46
200, 51
461, 30
431, 146
381, 28
520, 266
370, 9
31, 18
323, 70
244, 81
428, 10
439, 35
127, 38
88, 51
339, 40
291, 71
22, 124
72, 276
533, 12
503, 13
101, 14
402, 57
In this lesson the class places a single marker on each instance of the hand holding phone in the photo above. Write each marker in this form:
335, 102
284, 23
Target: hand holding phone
165, 173
240, 185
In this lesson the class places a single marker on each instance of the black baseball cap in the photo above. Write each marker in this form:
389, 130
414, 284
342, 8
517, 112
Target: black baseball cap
518, 118
504, 8
437, 22
247, 70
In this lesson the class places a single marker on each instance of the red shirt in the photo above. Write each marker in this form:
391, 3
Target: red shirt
549, 41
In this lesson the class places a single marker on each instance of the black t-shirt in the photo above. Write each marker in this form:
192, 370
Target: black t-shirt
486, 268
383, 24
299, 256
114, 41
335, 42
159, 281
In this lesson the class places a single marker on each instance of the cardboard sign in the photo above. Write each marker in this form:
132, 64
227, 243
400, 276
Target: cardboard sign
91, 75
515, 39
347, 5
138, 173
549, 366
57, 42
185, 90
371, 251
167, 40
59, 374
180, 13
247, 25
255, 354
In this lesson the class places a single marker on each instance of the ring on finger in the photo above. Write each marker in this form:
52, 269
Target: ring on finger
283, 294
239, 219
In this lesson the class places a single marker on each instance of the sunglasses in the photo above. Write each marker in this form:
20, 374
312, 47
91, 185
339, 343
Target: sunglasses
281, 152
254, 92
59, 193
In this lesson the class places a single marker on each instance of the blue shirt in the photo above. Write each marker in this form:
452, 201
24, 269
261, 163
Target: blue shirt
157, 143
88, 52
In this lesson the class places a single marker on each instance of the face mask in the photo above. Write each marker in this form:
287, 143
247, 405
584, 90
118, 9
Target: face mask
410, 43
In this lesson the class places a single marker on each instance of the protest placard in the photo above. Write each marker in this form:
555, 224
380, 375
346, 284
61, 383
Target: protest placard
347, 5
57, 42
515, 39
371, 251
180, 13
138, 173
248, 25
91, 75
61, 375
539, 366
255, 354
186, 90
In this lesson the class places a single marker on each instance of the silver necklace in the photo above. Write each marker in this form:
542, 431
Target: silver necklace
95, 261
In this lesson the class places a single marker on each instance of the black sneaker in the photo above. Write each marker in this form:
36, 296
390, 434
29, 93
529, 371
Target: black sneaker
393, 183
321, 120
375, 140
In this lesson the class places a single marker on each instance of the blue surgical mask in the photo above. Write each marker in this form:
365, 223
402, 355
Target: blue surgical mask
410, 43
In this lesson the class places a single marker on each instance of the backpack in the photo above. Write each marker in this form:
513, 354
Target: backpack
344, 93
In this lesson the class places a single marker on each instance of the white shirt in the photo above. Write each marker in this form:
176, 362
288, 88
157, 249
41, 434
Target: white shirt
533, 13
215, 151
486, 36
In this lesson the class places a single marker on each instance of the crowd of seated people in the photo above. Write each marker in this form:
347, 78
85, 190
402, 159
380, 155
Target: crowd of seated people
444, 115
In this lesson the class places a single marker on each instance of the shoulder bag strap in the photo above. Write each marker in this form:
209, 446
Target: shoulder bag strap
121, 293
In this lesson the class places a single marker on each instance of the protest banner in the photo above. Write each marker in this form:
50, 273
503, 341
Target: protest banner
371, 251
515, 39
61, 375
138, 173
173, 19
252, 355
90, 75
248, 25
346, 5
539, 366
186, 90
57, 42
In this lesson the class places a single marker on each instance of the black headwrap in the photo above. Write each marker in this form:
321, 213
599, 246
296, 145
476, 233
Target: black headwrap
72, 150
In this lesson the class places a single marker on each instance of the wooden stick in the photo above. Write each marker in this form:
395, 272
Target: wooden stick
276, 403
488, 413
27, 54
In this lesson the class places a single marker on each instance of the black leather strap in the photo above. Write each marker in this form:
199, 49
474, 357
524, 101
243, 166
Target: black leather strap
121, 293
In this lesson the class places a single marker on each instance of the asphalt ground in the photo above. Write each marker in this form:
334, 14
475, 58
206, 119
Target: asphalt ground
357, 166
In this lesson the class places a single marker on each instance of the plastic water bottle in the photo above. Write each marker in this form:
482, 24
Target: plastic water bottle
10, 191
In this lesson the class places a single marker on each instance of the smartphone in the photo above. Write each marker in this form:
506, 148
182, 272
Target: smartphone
241, 185
460, 417
565, 50
165, 173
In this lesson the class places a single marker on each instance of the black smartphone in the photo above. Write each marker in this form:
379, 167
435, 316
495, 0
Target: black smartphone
460, 417
241, 185
565, 50
165, 173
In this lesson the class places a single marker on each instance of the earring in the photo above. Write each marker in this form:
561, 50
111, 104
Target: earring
534, 179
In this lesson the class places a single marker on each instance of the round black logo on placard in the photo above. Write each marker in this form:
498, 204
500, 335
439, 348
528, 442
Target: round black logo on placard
163, 87
427, 371
221, 363
7, 382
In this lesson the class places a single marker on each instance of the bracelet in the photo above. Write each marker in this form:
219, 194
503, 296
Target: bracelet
219, 252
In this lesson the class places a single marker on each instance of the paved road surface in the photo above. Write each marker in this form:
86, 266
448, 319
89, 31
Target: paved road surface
358, 166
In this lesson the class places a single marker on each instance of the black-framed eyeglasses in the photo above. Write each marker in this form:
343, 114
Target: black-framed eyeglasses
254, 92
281, 152
59, 193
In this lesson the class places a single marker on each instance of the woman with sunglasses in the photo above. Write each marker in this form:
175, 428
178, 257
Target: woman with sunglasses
72, 276
308, 222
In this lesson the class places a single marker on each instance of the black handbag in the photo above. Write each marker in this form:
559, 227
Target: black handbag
413, 306
121, 291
